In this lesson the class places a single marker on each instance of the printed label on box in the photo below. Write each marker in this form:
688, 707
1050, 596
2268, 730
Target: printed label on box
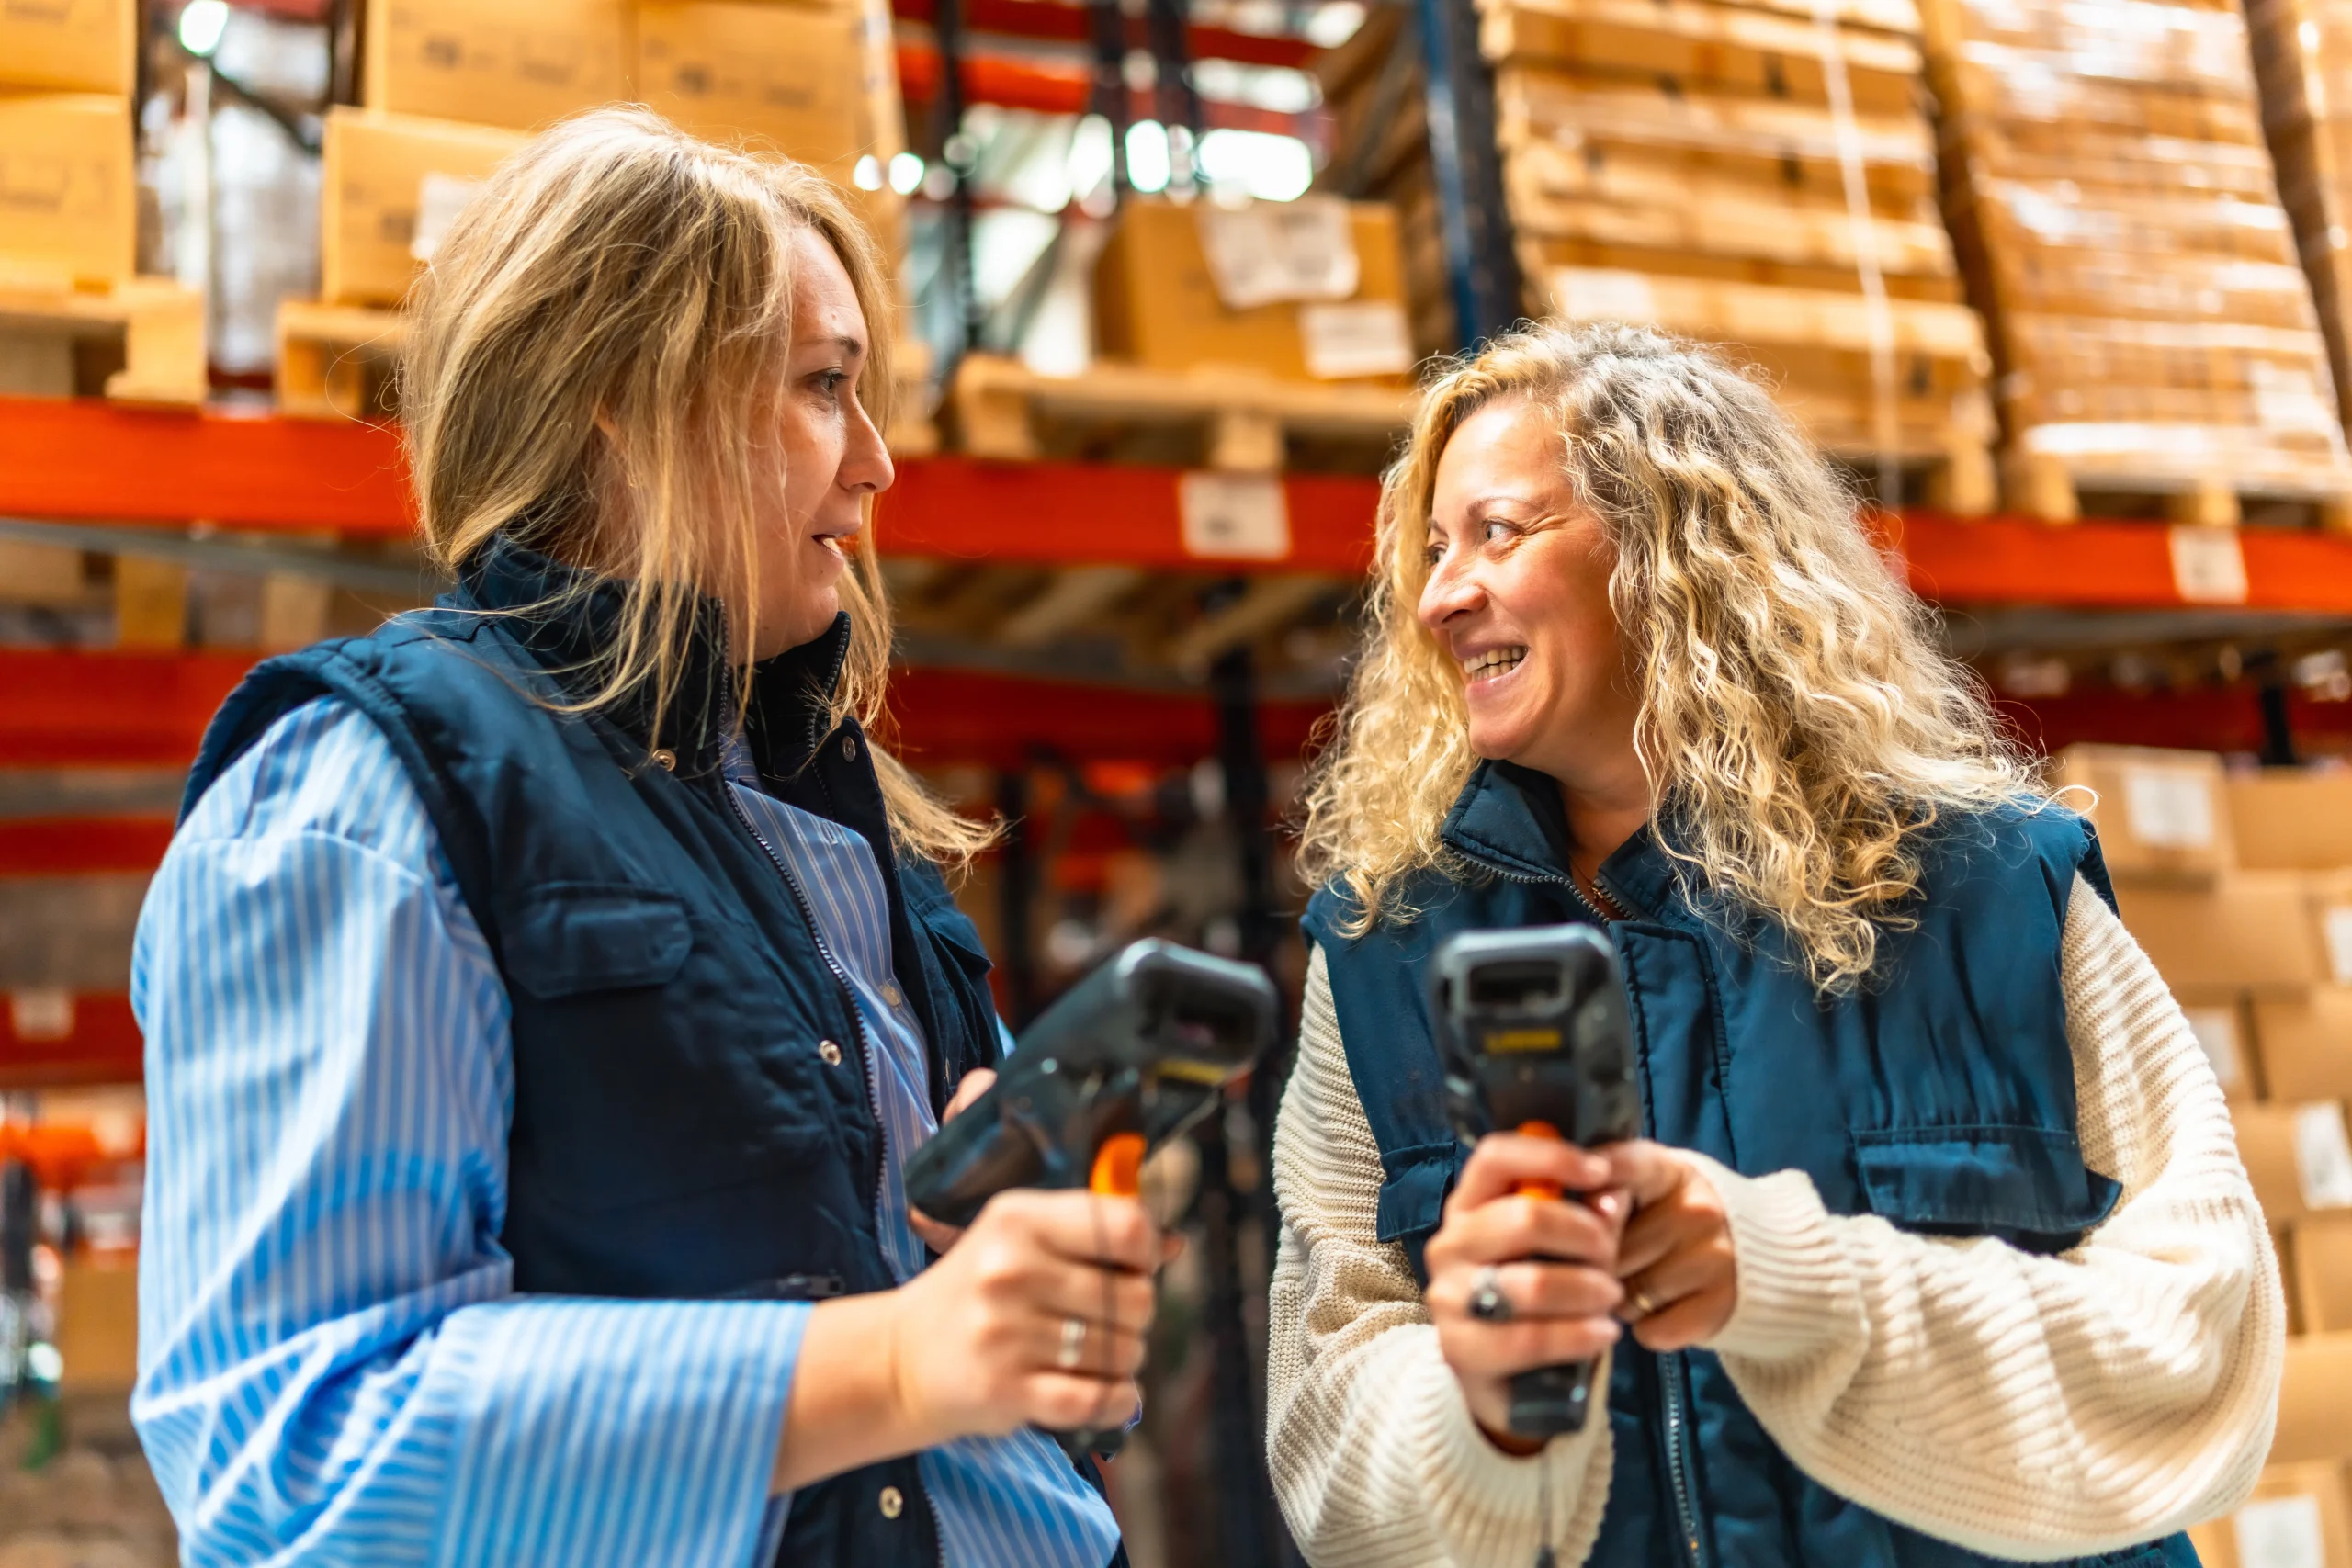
1359, 337
2335, 927
1273, 250
1604, 294
2208, 565
1242, 516
2168, 807
439, 198
2280, 1532
2323, 1156
2217, 1032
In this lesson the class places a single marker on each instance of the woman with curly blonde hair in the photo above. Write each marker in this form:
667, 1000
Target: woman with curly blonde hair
1936, 1250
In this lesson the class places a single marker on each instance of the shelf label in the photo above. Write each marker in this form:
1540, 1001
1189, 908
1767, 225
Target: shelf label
2280, 1532
1234, 516
2208, 564
41, 1012
1355, 337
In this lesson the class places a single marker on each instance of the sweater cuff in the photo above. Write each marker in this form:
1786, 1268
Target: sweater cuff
1487, 1504
1796, 1292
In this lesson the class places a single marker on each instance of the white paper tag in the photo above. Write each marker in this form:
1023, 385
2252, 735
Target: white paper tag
439, 198
41, 1012
1355, 337
2217, 1032
2169, 808
1271, 250
1234, 516
2208, 564
2280, 1532
2336, 926
1602, 294
2322, 1156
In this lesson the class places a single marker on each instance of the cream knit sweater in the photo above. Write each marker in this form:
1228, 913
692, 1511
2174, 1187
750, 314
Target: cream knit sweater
2032, 1407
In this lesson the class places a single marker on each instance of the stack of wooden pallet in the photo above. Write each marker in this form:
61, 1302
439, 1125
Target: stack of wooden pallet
2302, 57
2107, 181
1760, 175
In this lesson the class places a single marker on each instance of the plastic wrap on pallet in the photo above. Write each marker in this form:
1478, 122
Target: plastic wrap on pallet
2106, 173
2302, 53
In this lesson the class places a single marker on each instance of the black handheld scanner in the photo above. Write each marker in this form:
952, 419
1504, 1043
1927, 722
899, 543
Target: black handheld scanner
1126, 1059
1532, 1032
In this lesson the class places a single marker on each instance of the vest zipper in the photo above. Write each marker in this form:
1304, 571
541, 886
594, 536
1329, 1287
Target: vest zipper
1678, 1461
864, 1052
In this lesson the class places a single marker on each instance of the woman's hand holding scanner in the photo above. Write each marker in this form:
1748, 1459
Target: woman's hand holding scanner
1681, 1280
981, 1342
936, 1235
1552, 1263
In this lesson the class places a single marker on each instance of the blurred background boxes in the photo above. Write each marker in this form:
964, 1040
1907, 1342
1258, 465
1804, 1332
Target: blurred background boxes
2250, 930
2296, 1156
68, 188
2162, 816
2291, 819
77, 46
388, 183
511, 62
2304, 1043
2299, 1517
787, 75
1158, 303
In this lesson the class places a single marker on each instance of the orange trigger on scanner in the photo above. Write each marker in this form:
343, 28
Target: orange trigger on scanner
1118, 1167
1537, 1189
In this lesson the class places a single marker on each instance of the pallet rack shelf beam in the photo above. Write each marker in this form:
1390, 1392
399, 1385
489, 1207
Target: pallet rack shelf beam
1051, 19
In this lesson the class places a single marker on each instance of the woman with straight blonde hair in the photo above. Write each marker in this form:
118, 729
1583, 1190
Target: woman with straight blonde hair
542, 995
1936, 1250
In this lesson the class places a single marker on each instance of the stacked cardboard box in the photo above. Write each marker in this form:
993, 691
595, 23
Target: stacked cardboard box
1377, 94
2107, 184
2237, 888
67, 185
1746, 172
2302, 51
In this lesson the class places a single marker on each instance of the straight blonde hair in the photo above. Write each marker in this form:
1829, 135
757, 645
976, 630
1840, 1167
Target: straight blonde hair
1800, 726
593, 366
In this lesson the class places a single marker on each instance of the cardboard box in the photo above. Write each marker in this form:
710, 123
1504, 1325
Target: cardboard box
2299, 1517
69, 192
2162, 815
1157, 303
2331, 911
2219, 1021
2282, 1244
2322, 1278
2314, 1392
511, 62
69, 46
2305, 1043
380, 173
2249, 930
2298, 1158
788, 78
97, 1322
2292, 819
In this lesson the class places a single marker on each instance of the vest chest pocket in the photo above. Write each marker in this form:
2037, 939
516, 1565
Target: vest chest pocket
564, 939
2028, 1186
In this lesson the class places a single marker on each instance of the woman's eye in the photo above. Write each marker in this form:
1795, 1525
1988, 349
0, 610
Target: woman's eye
1495, 531
830, 382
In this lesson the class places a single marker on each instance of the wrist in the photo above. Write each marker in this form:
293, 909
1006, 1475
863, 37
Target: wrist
855, 1393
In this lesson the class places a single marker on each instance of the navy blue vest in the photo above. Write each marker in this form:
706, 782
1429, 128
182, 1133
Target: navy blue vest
677, 1132
1940, 1097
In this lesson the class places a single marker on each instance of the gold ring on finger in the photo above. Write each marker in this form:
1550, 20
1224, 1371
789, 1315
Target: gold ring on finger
1641, 1302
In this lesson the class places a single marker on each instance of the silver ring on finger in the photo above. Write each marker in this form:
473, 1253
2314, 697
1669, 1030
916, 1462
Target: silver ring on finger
1639, 1303
1073, 1345
1488, 1302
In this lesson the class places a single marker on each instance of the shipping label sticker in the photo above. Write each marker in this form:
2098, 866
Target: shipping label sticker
2169, 808
1268, 252
2280, 1532
2336, 926
2208, 564
2217, 1033
2322, 1156
1359, 337
1234, 516
439, 198
1603, 294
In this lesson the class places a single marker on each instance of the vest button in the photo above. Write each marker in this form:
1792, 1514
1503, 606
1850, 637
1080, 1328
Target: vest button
894, 1502
849, 748
829, 1053
667, 758
892, 995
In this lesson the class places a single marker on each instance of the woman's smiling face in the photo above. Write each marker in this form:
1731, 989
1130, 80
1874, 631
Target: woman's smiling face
1519, 594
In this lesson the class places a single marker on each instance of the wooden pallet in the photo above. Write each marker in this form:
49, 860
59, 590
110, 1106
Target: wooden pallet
136, 340
337, 362
1232, 418
2046, 485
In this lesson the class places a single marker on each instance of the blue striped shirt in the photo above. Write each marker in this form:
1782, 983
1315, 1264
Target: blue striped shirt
335, 1366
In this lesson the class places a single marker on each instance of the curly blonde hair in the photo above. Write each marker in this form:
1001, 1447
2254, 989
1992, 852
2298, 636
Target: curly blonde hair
594, 364
1799, 726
